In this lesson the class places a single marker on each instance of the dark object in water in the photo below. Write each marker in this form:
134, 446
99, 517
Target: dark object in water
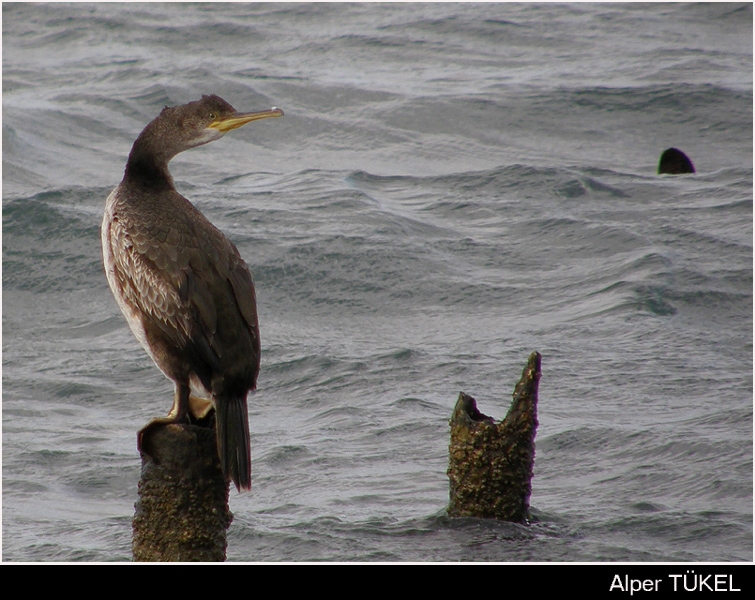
675, 162
490, 464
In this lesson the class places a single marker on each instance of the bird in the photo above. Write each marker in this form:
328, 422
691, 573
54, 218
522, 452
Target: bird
185, 291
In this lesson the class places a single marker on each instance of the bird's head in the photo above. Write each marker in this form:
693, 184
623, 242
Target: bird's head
179, 128
209, 119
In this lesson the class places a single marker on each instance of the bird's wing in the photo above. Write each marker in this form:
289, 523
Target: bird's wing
243, 290
170, 272
162, 273
148, 282
219, 260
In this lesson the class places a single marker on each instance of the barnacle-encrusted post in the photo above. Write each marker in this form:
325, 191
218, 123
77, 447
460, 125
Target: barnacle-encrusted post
182, 512
490, 464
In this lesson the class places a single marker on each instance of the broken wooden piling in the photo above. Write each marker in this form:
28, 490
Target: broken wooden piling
182, 511
491, 464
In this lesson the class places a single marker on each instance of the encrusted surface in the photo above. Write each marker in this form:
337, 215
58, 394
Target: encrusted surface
182, 512
491, 464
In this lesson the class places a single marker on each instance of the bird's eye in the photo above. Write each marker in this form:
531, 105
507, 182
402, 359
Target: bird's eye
213, 116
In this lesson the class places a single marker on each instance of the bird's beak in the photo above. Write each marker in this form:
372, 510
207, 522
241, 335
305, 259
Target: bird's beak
225, 124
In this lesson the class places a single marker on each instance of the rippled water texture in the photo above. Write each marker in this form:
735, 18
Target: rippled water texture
453, 187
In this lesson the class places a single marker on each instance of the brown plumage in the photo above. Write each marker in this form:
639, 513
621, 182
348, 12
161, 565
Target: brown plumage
181, 284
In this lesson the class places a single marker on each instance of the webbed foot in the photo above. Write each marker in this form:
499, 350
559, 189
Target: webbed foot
200, 408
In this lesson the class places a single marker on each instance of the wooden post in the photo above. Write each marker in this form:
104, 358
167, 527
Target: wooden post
182, 512
490, 464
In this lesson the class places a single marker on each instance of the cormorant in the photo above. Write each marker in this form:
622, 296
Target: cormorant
186, 293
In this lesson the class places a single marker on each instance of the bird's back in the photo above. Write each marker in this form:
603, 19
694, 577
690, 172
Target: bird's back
183, 287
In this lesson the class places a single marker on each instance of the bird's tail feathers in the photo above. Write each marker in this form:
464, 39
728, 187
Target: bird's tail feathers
234, 450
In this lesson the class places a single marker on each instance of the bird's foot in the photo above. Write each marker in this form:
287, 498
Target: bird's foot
199, 408
197, 411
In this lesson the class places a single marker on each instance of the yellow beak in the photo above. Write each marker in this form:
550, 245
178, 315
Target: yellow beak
225, 124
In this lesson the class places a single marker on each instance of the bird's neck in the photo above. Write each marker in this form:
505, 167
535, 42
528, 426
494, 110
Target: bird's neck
147, 164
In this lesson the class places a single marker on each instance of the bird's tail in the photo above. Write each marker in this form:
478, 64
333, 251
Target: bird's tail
232, 428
